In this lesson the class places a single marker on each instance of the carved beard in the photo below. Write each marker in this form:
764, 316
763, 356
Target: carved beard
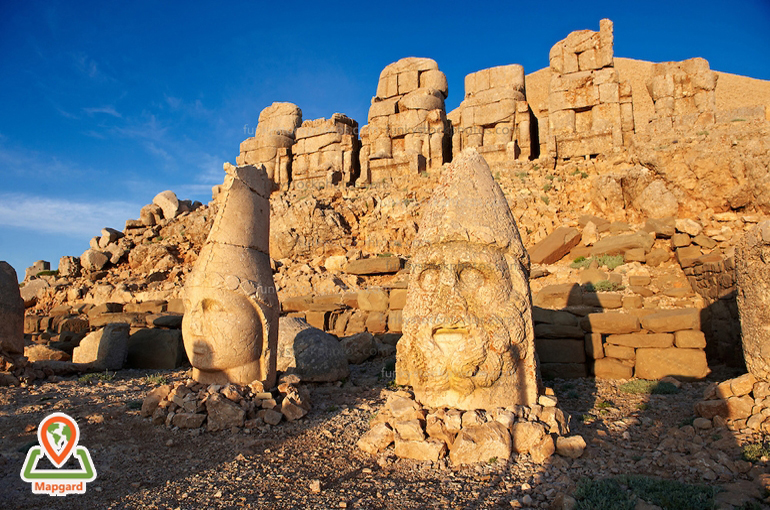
490, 349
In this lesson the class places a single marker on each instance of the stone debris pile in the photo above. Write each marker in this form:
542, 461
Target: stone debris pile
741, 404
192, 405
470, 437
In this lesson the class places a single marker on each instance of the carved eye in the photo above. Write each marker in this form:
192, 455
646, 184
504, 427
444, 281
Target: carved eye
471, 278
429, 279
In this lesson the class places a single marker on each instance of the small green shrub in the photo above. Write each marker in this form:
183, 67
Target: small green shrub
580, 263
621, 492
753, 452
738, 120
545, 199
97, 376
610, 261
550, 177
134, 404
603, 286
702, 133
583, 175
155, 379
492, 460
547, 187
522, 175
48, 273
644, 387
603, 405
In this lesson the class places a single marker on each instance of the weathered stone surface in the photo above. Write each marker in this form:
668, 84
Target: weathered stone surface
554, 247
292, 411
38, 352
223, 413
690, 339
359, 347
752, 270
559, 296
310, 353
711, 408
682, 363
468, 338
373, 300
525, 435
642, 340
571, 447
156, 348
153, 398
230, 326
430, 450
376, 439
669, 321
543, 449
561, 351
168, 203
611, 323
188, 420
480, 443
374, 265
93, 260
618, 245
611, 368
106, 348
11, 311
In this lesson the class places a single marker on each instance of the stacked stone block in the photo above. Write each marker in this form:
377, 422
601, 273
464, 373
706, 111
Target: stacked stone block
683, 93
408, 131
271, 145
494, 117
590, 111
326, 152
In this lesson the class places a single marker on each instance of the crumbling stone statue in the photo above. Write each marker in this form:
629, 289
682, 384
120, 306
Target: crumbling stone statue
230, 326
752, 271
468, 338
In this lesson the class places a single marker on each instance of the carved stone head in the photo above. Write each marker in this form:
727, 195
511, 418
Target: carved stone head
230, 325
468, 340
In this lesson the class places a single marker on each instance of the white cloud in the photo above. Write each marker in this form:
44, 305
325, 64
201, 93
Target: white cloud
107, 110
61, 216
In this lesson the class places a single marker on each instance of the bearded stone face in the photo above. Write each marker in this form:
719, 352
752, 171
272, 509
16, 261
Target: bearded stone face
466, 340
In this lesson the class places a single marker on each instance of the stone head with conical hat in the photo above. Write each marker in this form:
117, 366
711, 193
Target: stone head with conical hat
230, 327
468, 340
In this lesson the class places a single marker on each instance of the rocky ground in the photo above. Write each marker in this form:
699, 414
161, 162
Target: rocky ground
314, 462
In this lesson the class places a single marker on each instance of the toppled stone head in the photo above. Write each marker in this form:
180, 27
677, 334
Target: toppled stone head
468, 339
230, 327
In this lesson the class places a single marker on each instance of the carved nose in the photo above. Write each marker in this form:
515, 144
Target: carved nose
449, 300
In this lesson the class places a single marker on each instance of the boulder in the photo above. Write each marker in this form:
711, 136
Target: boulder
481, 443
571, 447
11, 311
376, 439
106, 348
93, 260
168, 202
526, 435
223, 413
309, 353
430, 450
359, 347
37, 352
373, 300
30, 290
156, 348
69, 266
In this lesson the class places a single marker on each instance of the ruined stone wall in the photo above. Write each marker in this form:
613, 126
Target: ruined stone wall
271, 145
326, 152
683, 93
494, 117
590, 111
408, 131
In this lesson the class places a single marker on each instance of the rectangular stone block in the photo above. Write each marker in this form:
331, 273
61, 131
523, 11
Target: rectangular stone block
554, 247
619, 351
690, 339
669, 321
594, 346
559, 296
374, 265
611, 323
612, 368
408, 81
660, 340
655, 364
397, 299
606, 300
560, 351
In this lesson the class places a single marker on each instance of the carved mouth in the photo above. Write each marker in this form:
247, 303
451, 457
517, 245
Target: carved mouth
449, 338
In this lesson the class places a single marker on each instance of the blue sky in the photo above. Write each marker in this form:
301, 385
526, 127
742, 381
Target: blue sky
106, 104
